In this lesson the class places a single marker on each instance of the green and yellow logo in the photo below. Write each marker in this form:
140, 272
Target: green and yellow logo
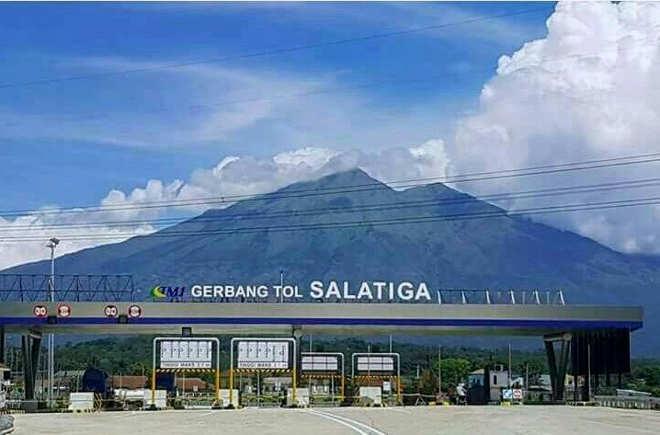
160, 292
157, 292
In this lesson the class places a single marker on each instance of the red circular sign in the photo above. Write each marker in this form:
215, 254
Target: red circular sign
111, 311
40, 311
134, 311
63, 310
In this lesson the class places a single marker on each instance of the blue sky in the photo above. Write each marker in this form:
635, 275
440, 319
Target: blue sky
396, 91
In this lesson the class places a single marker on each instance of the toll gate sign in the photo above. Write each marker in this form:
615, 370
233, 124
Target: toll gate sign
320, 363
263, 354
186, 354
375, 363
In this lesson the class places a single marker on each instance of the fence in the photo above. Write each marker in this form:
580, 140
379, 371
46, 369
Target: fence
628, 402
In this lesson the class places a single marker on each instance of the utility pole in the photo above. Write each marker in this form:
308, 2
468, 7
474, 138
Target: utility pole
439, 371
526, 376
588, 372
52, 243
509, 365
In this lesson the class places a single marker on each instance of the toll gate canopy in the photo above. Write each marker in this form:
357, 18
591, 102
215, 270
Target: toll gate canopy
583, 331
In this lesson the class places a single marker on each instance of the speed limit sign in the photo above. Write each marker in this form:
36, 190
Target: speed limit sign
40, 311
134, 311
63, 310
111, 311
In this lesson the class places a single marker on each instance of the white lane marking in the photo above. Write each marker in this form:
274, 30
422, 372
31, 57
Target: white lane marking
336, 420
350, 420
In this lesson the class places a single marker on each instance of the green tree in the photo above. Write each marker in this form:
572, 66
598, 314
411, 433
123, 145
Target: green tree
428, 383
454, 370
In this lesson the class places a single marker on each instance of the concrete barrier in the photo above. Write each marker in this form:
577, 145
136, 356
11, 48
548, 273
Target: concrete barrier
224, 397
160, 397
81, 402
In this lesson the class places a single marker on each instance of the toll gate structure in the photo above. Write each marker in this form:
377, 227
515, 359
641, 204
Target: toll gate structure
595, 337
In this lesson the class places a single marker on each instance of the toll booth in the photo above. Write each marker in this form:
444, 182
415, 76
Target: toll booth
377, 370
5, 376
182, 355
253, 360
594, 356
324, 375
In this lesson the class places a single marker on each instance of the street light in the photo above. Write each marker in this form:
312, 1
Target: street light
52, 244
281, 285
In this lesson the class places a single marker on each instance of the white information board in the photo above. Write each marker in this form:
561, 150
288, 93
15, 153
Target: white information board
375, 363
186, 354
320, 363
263, 354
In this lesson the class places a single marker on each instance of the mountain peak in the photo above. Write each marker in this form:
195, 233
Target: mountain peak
348, 179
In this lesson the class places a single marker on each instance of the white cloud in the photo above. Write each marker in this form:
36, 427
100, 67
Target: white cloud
46, 223
233, 175
215, 106
588, 89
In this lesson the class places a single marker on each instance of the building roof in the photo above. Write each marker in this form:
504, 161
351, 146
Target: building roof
192, 384
128, 381
69, 373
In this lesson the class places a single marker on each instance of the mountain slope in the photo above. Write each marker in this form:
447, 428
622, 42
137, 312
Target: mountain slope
244, 244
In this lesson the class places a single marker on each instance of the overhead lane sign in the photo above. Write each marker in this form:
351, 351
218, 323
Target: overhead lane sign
262, 354
186, 354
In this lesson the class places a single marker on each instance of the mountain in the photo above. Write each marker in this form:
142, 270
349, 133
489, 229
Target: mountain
251, 241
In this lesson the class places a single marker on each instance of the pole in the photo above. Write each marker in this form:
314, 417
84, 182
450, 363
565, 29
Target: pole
281, 285
398, 379
153, 376
439, 371
390, 343
258, 388
526, 377
293, 374
341, 399
51, 338
217, 373
231, 373
332, 388
588, 372
509, 366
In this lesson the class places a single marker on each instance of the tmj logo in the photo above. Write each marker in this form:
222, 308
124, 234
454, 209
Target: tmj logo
161, 291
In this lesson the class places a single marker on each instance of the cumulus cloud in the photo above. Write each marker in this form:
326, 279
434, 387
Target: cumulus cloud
589, 88
233, 175
23, 239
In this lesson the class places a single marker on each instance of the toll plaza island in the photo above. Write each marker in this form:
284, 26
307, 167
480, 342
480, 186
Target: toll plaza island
261, 326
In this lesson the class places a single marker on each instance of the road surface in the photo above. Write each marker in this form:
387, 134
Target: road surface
472, 420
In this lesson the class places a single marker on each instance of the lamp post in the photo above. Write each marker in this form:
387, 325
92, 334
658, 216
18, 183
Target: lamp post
281, 285
52, 244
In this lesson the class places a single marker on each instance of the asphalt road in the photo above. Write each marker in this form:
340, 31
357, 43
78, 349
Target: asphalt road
473, 420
